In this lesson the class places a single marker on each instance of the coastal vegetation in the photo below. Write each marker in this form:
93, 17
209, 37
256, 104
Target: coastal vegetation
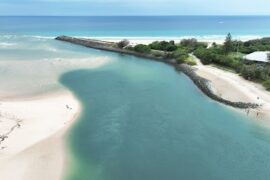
141, 48
169, 49
267, 84
123, 43
227, 55
250, 46
163, 46
230, 55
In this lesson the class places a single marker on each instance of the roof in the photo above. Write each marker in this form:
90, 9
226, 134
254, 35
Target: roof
259, 56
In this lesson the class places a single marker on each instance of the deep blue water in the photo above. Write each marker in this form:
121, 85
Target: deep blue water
137, 25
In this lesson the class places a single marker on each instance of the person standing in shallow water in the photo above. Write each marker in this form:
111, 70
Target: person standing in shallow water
247, 112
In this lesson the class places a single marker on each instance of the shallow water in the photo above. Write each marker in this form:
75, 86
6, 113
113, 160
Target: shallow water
143, 120
32, 65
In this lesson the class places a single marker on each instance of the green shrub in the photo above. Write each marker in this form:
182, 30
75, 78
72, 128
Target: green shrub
179, 52
249, 72
191, 62
266, 84
216, 55
192, 44
163, 45
157, 53
141, 48
255, 45
204, 55
181, 59
265, 73
131, 48
123, 43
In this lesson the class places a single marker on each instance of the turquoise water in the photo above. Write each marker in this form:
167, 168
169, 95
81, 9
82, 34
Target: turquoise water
142, 120
34, 64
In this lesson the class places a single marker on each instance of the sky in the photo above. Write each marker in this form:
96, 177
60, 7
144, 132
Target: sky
134, 7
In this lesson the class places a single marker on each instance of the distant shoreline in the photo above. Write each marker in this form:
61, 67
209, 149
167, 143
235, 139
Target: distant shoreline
148, 39
219, 39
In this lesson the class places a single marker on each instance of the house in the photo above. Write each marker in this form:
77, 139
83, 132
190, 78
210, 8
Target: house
258, 56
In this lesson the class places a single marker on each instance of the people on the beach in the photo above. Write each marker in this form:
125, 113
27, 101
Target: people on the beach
68, 107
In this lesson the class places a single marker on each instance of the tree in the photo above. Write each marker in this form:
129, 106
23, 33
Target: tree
214, 44
123, 43
268, 57
228, 45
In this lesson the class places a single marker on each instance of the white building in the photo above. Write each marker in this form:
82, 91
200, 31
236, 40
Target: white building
258, 56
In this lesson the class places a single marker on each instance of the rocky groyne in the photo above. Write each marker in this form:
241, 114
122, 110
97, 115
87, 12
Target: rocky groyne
200, 82
105, 45
203, 85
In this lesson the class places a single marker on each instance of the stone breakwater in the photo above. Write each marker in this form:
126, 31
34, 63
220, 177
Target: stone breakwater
200, 82
105, 45
203, 85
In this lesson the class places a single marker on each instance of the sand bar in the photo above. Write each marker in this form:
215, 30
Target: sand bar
35, 147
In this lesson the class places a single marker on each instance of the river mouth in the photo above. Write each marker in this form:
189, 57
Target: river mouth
143, 120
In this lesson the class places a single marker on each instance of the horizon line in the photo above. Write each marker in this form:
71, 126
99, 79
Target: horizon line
125, 15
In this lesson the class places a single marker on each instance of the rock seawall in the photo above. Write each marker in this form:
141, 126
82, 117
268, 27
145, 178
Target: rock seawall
200, 82
203, 85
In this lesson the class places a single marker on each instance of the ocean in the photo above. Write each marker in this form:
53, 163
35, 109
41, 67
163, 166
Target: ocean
134, 26
141, 120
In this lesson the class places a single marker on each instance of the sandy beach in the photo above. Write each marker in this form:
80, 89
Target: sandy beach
147, 40
35, 113
33, 131
235, 88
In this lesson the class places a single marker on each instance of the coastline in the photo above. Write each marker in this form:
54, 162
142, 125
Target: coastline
47, 117
199, 81
34, 157
219, 80
219, 39
34, 122
256, 99
239, 89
